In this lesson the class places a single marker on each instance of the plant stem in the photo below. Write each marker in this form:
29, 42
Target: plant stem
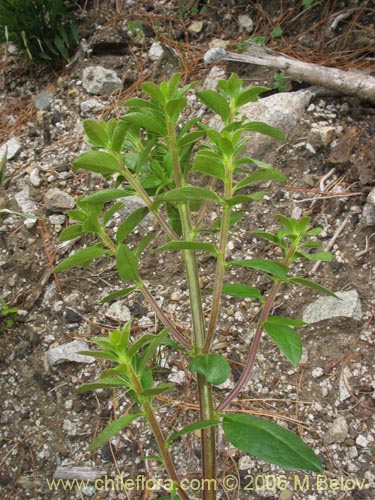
198, 326
163, 317
158, 434
254, 346
220, 263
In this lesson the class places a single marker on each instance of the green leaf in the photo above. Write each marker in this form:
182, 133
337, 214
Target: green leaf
269, 442
281, 320
175, 106
189, 138
152, 346
127, 264
323, 256
277, 32
214, 367
266, 236
151, 122
71, 232
189, 194
209, 163
267, 266
61, 47
311, 284
265, 175
174, 218
196, 426
152, 90
145, 241
286, 339
249, 95
97, 161
216, 102
242, 291
118, 136
80, 258
118, 293
105, 383
244, 198
96, 133
263, 128
130, 223
107, 216
100, 355
159, 389
113, 428
188, 245
106, 195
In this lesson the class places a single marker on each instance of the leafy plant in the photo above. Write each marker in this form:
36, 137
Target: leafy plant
152, 153
42, 30
276, 32
307, 3
279, 81
7, 313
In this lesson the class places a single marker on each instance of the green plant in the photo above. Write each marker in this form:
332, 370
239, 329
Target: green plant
7, 313
276, 32
42, 30
279, 81
153, 155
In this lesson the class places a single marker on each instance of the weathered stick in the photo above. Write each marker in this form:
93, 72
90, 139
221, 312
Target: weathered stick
346, 82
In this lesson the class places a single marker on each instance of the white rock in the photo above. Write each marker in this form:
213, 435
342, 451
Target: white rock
30, 222
35, 178
218, 42
43, 100
317, 372
337, 432
118, 312
11, 147
245, 463
347, 305
371, 197
353, 452
362, 441
56, 200
69, 352
368, 214
177, 376
196, 27
100, 81
70, 427
214, 75
91, 105
343, 383
57, 220
246, 23
213, 55
156, 52
310, 148
323, 135
27, 206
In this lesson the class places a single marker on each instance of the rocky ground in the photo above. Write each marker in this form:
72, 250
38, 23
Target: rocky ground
45, 427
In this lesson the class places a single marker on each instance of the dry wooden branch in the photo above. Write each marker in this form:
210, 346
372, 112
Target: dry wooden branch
345, 82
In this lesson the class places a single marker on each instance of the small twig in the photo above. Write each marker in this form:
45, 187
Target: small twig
330, 244
363, 252
339, 18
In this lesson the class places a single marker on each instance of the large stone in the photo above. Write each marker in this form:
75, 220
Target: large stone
109, 41
368, 214
347, 305
56, 200
100, 81
11, 148
69, 353
337, 432
282, 111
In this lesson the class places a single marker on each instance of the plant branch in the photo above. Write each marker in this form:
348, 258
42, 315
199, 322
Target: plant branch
163, 317
133, 181
254, 347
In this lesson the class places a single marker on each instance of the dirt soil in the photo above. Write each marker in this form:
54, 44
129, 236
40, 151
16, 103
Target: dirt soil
44, 423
